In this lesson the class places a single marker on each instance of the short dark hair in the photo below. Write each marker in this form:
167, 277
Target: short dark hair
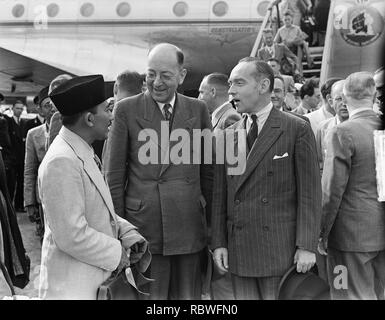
268, 30
180, 57
261, 68
130, 81
308, 87
72, 119
326, 87
18, 102
217, 79
288, 13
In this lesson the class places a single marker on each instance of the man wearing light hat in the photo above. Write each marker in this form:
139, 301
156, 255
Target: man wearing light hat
84, 240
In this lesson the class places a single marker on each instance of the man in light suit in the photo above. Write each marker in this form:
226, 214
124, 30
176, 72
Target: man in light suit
353, 224
267, 218
310, 97
34, 154
82, 240
166, 201
213, 90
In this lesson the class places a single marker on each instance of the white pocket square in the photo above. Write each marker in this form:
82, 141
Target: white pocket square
280, 157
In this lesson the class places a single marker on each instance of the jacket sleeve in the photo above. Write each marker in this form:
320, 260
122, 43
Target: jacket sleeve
337, 165
31, 167
308, 181
115, 159
65, 213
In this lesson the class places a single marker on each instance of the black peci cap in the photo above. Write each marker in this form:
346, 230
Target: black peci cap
79, 94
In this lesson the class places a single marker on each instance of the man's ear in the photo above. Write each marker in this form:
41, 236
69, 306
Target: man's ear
329, 99
213, 92
88, 118
265, 85
182, 75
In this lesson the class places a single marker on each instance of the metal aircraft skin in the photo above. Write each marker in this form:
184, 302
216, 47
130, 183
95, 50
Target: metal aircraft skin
40, 39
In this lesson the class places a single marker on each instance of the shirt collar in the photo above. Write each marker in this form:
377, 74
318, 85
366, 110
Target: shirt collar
172, 103
261, 114
353, 112
42, 120
81, 145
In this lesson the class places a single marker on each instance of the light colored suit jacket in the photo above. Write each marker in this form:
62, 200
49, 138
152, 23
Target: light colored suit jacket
321, 139
34, 154
262, 215
225, 117
167, 202
81, 244
353, 219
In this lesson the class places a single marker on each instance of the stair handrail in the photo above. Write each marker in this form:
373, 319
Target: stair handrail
264, 25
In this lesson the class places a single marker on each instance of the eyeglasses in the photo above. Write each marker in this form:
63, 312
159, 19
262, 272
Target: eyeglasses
277, 90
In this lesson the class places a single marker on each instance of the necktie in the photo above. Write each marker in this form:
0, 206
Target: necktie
98, 162
253, 132
167, 112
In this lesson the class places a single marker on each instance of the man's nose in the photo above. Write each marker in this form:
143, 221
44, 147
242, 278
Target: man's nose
158, 79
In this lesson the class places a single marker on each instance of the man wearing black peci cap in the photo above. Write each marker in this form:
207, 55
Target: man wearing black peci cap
82, 240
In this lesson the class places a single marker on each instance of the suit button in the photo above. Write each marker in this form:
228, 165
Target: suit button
264, 200
265, 228
237, 202
270, 173
113, 223
160, 181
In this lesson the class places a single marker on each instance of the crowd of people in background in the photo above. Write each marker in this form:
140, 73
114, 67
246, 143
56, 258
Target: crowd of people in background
308, 194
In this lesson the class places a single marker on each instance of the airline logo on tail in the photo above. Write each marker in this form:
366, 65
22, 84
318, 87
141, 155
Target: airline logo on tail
359, 25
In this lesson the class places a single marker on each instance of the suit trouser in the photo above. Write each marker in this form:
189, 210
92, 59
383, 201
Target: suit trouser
365, 274
19, 195
249, 288
177, 277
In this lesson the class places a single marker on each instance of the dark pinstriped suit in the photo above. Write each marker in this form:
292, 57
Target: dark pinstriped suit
275, 206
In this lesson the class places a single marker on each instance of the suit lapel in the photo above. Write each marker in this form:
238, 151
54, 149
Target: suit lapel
269, 134
90, 167
182, 120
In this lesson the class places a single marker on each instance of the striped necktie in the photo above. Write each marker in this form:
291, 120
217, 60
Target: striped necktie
167, 112
253, 131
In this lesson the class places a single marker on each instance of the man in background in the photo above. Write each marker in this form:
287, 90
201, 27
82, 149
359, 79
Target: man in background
213, 90
310, 97
325, 111
127, 84
353, 224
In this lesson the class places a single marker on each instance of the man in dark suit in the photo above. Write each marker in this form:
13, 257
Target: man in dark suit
165, 200
277, 51
353, 224
15, 173
267, 218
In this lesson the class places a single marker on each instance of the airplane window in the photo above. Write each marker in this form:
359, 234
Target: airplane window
180, 9
123, 9
220, 8
262, 7
87, 9
18, 10
52, 10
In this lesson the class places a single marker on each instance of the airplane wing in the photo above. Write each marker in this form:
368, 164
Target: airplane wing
23, 74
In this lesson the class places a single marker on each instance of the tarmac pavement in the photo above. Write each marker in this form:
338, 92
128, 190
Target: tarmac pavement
33, 248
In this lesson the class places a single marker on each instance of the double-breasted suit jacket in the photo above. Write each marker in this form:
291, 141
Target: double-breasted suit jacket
165, 201
263, 215
81, 244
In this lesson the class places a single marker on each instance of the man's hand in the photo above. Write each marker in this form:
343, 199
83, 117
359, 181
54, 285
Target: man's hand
322, 247
137, 250
124, 261
304, 259
220, 256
